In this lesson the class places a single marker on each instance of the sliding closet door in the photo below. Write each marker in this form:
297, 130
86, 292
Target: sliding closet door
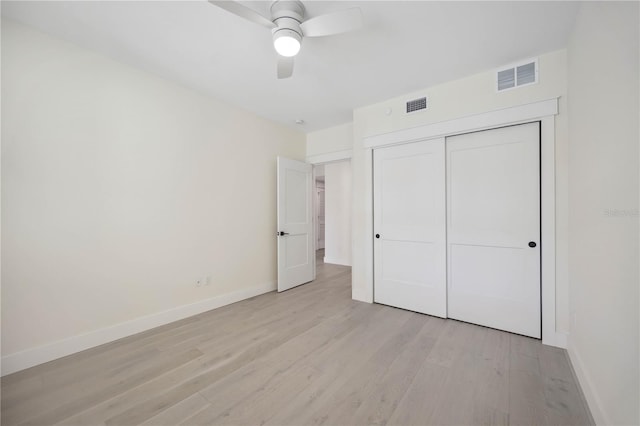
493, 228
409, 227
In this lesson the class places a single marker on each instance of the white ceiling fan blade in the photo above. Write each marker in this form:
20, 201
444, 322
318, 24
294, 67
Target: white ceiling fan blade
243, 12
285, 67
333, 23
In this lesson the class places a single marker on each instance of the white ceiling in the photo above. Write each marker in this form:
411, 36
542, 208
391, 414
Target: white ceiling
405, 46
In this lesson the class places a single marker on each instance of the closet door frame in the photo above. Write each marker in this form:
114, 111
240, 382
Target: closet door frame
544, 112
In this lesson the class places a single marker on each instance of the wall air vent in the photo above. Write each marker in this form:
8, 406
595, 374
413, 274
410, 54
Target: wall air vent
416, 105
520, 74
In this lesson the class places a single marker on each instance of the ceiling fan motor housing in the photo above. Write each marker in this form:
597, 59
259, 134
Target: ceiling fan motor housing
287, 15
287, 9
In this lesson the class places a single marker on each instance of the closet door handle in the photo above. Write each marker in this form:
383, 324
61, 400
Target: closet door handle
532, 244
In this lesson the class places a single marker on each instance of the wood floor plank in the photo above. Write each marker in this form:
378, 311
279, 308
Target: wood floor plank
362, 385
491, 395
103, 410
267, 372
179, 412
260, 407
381, 397
338, 364
87, 396
21, 390
278, 342
449, 346
228, 350
526, 384
310, 355
457, 397
259, 403
422, 397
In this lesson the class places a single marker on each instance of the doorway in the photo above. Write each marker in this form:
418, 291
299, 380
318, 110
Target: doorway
333, 212
318, 173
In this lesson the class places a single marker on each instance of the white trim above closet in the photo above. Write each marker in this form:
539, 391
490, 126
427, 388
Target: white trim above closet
471, 123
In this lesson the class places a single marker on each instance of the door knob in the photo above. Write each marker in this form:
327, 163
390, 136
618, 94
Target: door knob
282, 233
532, 244
377, 235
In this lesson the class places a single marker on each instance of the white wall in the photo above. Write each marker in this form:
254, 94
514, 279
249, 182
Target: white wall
456, 99
604, 115
330, 144
119, 190
337, 213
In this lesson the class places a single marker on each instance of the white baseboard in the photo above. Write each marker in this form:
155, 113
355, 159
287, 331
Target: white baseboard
333, 261
31, 357
588, 389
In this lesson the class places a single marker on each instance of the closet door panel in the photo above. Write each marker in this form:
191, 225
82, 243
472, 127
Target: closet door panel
493, 228
410, 228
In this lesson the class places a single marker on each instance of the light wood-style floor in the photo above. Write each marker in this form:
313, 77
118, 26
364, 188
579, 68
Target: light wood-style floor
310, 355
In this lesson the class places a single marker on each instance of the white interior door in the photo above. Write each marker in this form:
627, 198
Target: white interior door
409, 227
296, 256
493, 228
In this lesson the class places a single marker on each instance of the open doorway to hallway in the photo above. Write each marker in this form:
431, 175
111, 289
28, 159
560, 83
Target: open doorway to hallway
332, 203
319, 207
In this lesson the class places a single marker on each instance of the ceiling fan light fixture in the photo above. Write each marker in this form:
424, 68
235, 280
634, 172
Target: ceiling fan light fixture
288, 25
287, 42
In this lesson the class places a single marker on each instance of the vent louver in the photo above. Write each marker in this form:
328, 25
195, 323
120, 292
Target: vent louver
521, 74
416, 105
526, 73
506, 79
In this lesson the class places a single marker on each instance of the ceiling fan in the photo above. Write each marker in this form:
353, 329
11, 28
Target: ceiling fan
288, 26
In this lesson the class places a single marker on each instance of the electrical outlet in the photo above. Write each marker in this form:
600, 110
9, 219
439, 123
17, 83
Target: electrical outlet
207, 280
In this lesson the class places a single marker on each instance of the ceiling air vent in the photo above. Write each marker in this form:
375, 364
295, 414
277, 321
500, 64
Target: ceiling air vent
521, 74
416, 105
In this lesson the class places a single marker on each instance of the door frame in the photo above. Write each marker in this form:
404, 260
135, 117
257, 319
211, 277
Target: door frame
544, 112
